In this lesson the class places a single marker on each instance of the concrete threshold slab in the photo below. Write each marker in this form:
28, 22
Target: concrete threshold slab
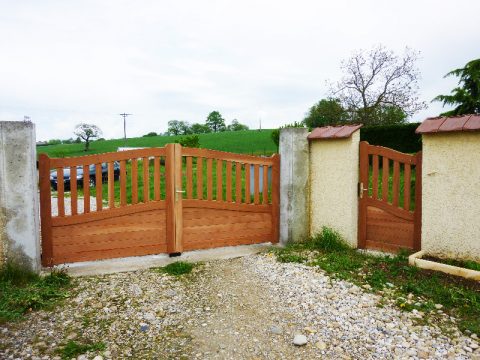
111, 266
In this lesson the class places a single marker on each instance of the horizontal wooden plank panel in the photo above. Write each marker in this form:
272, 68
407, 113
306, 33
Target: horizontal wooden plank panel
206, 204
219, 242
109, 242
227, 228
109, 213
235, 219
389, 229
110, 254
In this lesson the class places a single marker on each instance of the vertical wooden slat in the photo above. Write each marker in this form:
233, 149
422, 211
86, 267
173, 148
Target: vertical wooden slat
396, 182
275, 193
111, 185
146, 180
134, 181
362, 205
170, 196
73, 190
189, 178
247, 184
178, 210
417, 227
407, 179
219, 179
156, 178
98, 185
199, 178
60, 192
86, 189
45, 209
385, 175
375, 177
209, 179
229, 182
123, 183
256, 184
238, 182
265, 185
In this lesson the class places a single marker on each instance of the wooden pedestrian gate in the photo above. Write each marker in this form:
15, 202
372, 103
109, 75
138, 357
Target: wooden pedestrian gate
155, 200
390, 199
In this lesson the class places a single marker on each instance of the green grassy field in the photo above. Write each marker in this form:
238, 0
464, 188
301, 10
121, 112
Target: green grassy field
253, 142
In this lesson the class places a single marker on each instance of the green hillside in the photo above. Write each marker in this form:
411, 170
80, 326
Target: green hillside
253, 142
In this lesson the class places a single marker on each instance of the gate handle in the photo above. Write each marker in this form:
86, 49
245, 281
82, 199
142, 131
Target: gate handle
361, 189
177, 192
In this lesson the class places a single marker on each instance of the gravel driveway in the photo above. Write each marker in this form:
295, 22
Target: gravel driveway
245, 308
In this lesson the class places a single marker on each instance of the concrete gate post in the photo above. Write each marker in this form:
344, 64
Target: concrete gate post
19, 212
294, 182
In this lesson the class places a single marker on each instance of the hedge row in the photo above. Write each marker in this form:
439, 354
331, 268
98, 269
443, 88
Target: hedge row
399, 137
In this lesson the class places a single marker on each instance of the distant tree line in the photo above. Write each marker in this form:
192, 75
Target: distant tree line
213, 124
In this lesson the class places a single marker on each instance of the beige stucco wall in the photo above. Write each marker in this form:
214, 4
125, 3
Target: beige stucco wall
451, 195
333, 186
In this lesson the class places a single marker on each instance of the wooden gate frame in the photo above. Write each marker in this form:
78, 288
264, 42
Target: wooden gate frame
172, 203
365, 150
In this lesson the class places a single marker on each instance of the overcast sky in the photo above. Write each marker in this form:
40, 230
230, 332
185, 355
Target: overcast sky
65, 62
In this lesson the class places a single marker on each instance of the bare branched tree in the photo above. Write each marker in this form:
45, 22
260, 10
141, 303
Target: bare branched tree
87, 132
376, 80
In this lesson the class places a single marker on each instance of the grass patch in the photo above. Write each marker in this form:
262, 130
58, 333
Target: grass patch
407, 286
22, 291
72, 349
252, 142
177, 268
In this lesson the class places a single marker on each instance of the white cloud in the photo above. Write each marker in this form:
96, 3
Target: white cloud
65, 62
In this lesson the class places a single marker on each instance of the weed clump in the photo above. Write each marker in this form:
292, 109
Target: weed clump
22, 290
178, 268
72, 349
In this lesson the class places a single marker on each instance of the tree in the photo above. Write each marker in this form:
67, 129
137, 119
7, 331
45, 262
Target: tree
467, 95
378, 79
236, 126
87, 132
177, 127
200, 129
215, 122
325, 112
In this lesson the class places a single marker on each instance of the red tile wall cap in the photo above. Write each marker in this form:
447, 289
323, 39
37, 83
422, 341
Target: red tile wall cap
334, 132
444, 124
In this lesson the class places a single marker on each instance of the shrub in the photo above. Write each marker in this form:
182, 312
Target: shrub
400, 137
192, 141
153, 133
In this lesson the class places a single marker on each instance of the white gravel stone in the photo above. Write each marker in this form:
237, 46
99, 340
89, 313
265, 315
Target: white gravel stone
300, 340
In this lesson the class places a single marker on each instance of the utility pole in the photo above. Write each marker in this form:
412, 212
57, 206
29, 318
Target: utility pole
125, 127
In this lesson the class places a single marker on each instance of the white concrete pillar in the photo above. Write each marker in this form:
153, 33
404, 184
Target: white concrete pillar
19, 211
334, 167
294, 182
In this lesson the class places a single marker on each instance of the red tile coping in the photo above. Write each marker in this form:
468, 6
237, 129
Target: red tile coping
334, 132
449, 124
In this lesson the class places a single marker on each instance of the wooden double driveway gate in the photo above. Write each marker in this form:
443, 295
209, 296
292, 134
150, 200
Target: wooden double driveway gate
390, 199
155, 200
